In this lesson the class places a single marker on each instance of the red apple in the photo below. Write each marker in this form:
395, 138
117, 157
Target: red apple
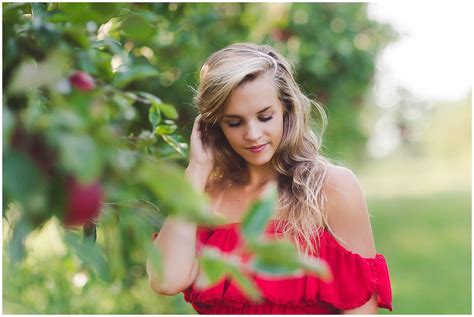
83, 202
82, 81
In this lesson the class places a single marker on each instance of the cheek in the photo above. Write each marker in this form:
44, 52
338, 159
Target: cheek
277, 129
231, 136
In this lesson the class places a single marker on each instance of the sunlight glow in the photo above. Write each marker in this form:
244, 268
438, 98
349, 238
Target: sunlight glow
433, 57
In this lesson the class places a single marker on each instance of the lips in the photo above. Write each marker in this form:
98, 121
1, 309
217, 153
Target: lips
257, 148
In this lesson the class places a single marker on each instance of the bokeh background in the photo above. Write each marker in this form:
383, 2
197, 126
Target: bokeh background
89, 79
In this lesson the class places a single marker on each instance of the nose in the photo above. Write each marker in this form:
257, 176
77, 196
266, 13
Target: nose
253, 132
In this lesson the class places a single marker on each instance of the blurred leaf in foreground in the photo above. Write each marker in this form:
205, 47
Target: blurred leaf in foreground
36, 74
133, 73
215, 265
256, 219
167, 182
89, 253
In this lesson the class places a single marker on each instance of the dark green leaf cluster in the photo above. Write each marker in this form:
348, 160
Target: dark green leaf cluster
74, 110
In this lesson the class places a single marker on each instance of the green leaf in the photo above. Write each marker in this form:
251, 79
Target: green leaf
85, 64
212, 266
35, 109
179, 147
77, 36
154, 115
275, 251
108, 30
39, 10
16, 245
169, 111
281, 258
63, 119
154, 100
80, 155
146, 138
124, 160
150, 214
256, 219
103, 63
125, 106
158, 106
113, 248
247, 285
275, 257
82, 103
122, 101
31, 74
165, 129
215, 265
274, 270
138, 28
8, 122
22, 180
317, 266
134, 73
156, 260
91, 255
167, 182
81, 13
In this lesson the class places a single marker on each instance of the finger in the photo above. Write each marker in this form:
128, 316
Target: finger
196, 124
201, 125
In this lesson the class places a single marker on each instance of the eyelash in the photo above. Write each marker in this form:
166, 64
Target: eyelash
235, 125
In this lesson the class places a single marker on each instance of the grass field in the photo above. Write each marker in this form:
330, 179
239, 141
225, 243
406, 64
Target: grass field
421, 218
427, 243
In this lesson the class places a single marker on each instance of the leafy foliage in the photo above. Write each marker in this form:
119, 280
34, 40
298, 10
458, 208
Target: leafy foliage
69, 133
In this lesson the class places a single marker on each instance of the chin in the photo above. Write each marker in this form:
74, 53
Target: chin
259, 161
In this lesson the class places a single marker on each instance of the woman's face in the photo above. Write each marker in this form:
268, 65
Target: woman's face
253, 120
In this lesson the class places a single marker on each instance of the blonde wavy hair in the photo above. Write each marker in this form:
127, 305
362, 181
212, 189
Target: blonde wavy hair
300, 165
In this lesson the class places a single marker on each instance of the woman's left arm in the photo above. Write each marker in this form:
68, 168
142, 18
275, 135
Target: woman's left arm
348, 217
368, 308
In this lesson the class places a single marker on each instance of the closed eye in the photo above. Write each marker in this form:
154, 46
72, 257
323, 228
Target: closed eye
237, 123
233, 124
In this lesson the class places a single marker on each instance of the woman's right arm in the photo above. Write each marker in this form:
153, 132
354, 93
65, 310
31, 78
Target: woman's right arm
177, 244
176, 240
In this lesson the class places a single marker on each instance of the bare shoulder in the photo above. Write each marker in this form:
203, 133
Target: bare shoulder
347, 210
341, 184
337, 176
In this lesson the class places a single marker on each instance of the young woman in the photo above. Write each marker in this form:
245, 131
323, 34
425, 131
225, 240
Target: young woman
254, 127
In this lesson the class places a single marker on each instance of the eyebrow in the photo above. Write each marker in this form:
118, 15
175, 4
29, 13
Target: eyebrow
237, 116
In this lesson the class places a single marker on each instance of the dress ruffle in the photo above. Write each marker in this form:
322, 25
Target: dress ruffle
355, 280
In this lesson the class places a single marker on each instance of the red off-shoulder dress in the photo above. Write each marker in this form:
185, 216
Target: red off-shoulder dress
355, 280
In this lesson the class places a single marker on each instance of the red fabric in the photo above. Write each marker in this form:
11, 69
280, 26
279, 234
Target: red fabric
355, 280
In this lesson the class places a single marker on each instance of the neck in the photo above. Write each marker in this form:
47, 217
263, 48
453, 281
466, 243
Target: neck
260, 175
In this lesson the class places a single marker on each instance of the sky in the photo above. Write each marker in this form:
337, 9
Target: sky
434, 56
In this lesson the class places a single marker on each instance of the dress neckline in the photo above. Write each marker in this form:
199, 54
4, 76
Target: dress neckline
239, 223
325, 234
